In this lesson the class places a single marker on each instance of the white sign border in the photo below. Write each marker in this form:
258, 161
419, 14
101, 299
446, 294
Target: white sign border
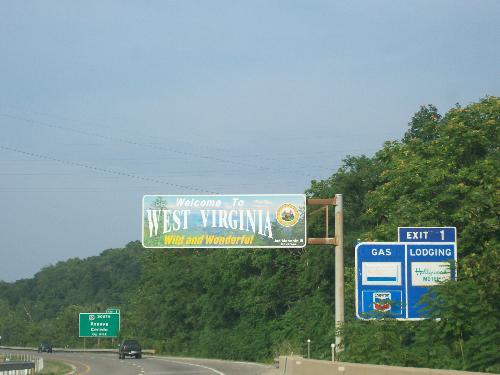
405, 244
224, 247
101, 337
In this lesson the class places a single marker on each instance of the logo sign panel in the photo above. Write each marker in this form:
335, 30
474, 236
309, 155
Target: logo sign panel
427, 264
380, 279
381, 301
387, 273
392, 277
429, 273
224, 221
99, 324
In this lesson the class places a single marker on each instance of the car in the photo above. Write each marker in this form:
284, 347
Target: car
45, 347
130, 348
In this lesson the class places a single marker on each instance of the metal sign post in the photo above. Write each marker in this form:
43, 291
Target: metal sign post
338, 241
339, 268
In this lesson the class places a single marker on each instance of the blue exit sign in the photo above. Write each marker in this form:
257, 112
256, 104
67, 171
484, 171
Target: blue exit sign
392, 277
427, 234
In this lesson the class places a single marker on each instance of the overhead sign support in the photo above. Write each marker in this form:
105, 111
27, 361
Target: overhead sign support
338, 242
243, 221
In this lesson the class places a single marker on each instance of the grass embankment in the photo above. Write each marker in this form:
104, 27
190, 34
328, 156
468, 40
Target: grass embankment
55, 368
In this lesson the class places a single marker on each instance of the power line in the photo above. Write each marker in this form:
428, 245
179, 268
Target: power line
105, 170
158, 147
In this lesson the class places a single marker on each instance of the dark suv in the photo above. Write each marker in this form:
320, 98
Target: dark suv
45, 347
130, 348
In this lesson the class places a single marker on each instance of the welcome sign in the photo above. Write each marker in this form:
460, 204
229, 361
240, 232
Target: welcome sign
224, 221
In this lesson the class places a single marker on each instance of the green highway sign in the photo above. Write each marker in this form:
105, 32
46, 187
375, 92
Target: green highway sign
99, 324
113, 311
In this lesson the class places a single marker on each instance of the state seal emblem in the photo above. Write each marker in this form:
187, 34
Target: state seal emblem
287, 215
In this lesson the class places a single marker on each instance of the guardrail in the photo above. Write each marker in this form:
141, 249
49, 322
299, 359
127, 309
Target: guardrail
302, 366
16, 365
74, 350
20, 364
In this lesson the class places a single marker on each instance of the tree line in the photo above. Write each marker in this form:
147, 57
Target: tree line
254, 304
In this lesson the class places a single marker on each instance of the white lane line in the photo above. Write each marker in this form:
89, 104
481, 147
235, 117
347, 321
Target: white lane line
192, 364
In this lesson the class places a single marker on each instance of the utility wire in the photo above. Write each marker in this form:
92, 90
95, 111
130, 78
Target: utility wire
156, 146
212, 148
105, 170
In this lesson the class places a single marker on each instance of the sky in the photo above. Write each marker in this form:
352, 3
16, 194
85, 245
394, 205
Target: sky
104, 102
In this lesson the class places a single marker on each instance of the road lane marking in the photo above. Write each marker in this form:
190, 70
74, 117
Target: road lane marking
192, 364
73, 369
72, 362
87, 370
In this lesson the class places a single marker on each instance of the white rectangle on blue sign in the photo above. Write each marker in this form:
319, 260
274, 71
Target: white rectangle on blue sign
427, 234
429, 273
381, 273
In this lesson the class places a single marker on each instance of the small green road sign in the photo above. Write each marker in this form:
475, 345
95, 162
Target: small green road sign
99, 324
113, 311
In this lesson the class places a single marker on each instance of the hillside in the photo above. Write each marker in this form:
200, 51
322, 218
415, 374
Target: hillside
255, 304
29, 308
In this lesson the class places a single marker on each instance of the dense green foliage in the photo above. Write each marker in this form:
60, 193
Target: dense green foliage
444, 172
255, 304
46, 307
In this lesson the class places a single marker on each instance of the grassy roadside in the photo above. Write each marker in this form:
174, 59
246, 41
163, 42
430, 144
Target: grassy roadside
55, 368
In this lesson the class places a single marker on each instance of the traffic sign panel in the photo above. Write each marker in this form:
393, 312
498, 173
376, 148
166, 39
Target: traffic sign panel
427, 264
391, 277
380, 279
427, 234
99, 324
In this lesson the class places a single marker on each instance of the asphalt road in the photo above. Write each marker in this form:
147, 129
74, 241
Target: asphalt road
109, 364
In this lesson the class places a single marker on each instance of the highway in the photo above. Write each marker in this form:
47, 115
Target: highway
109, 364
